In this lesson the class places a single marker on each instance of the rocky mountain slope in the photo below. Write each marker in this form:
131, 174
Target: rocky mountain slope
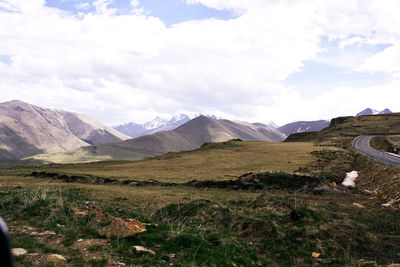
26, 130
190, 135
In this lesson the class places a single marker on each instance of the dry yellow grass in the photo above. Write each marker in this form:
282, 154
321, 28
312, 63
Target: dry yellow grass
153, 197
226, 162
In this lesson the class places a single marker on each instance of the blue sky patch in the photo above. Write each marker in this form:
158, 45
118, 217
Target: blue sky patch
5, 59
316, 78
337, 67
169, 11
173, 11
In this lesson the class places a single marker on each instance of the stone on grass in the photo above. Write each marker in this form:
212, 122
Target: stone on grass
358, 206
47, 233
315, 254
323, 189
143, 249
172, 255
122, 227
18, 252
33, 254
56, 258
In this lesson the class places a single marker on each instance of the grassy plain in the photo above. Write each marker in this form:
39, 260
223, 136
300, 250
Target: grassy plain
213, 162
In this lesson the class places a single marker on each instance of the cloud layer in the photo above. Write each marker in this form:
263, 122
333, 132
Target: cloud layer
131, 67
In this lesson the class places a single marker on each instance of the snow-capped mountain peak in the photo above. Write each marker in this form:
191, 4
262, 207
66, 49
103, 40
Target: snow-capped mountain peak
178, 118
369, 111
155, 123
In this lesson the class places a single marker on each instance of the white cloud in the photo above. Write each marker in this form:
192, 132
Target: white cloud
134, 3
131, 67
386, 61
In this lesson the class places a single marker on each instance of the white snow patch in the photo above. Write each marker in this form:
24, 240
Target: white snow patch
350, 179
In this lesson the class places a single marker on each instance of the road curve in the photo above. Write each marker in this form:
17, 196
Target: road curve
361, 143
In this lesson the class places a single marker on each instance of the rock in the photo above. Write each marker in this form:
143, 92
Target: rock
150, 224
358, 206
391, 203
315, 255
56, 258
120, 264
47, 233
122, 227
319, 190
172, 255
33, 254
81, 213
143, 249
18, 252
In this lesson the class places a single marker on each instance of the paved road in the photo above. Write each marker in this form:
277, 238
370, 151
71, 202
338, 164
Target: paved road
361, 143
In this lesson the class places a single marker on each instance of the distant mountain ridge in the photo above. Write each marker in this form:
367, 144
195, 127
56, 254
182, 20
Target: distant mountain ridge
188, 136
270, 124
26, 130
369, 111
303, 126
158, 124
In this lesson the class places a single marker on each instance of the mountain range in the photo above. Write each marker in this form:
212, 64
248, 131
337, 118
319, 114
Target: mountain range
61, 136
189, 136
27, 130
158, 124
303, 126
369, 111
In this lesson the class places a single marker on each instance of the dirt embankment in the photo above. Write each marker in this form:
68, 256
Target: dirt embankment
249, 181
385, 143
373, 176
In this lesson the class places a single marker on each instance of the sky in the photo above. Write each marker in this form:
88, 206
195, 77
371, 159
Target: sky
254, 60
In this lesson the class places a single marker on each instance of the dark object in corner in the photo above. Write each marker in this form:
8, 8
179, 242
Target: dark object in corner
5, 248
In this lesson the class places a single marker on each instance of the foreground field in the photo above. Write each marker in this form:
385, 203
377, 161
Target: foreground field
197, 227
260, 219
214, 161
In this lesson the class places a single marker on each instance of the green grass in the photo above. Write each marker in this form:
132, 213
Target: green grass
225, 229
